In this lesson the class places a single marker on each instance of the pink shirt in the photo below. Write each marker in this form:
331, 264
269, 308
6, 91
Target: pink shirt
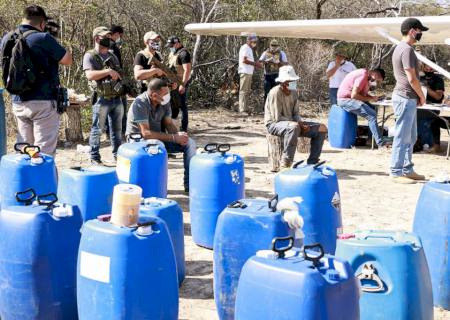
359, 78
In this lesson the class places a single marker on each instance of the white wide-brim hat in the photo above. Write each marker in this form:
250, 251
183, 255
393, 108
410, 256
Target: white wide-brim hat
287, 73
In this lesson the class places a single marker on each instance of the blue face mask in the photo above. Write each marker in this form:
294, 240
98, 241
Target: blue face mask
173, 50
292, 85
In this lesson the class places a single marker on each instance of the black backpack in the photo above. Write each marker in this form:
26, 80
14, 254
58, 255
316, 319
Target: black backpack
19, 73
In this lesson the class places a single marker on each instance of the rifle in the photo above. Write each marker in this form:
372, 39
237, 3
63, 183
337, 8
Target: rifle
171, 75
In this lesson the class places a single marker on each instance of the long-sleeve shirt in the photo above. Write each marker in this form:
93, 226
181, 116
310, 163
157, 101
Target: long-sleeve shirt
281, 107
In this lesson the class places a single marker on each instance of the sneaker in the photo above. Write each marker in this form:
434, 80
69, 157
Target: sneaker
415, 176
96, 162
402, 180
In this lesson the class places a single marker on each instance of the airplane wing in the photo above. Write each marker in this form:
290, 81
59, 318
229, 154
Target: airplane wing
350, 30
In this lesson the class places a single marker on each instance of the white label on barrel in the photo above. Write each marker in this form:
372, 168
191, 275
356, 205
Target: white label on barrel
235, 176
123, 169
94, 266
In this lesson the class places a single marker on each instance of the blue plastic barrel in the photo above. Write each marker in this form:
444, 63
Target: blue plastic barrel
170, 212
143, 163
216, 178
26, 170
2, 125
393, 271
321, 207
288, 284
90, 189
432, 225
127, 273
342, 128
38, 257
243, 228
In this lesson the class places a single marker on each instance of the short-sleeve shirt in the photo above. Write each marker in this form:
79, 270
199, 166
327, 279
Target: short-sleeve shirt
141, 111
358, 78
47, 52
341, 72
283, 58
141, 60
404, 57
183, 56
91, 63
434, 82
246, 51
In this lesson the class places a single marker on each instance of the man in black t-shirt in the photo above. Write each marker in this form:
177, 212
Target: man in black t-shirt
428, 129
180, 62
143, 70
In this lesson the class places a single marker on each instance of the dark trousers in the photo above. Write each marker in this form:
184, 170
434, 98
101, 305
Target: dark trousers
290, 131
269, 83
184, 111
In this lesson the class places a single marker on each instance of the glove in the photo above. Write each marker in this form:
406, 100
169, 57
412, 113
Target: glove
294, 220
289, 204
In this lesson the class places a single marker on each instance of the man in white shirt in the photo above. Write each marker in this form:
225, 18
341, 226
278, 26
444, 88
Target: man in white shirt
336, 72
247, 65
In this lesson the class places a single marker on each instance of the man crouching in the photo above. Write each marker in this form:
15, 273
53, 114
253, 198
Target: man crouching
145, 116
282, 118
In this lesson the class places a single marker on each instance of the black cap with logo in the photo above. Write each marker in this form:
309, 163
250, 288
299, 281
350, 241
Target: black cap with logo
172, 41
412, 23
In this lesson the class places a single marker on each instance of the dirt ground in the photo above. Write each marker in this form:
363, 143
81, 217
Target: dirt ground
369, 199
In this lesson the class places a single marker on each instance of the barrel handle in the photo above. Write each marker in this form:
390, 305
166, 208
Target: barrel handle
297, 164
314, 259
104, 217
211, 147
26, 201
273, 203
237, 204
17, 146
319, 164
223, 148
282, 251
369, 272
136, 137
107, 218
51, 199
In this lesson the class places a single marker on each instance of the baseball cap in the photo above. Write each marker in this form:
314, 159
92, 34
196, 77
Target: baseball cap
100, 32
252, 37
172, 40
35, 11
412, 23
151, 35
274, 43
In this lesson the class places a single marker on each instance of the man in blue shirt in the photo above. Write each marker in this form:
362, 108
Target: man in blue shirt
35, 110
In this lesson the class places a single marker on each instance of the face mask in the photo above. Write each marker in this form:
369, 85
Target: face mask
173, 50
292, 85
372, 83
253, 44
428, 73
105, 42
166, 99
418, 36
119, 42
155, 46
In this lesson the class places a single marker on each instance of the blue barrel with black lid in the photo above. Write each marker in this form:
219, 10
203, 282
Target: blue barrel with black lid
90, 189
244, 227
216, 178
394, 275
38, 257
432, 225
144, 163
342, 128
28, 169
318, 186
291, 284
170, 212
127, 273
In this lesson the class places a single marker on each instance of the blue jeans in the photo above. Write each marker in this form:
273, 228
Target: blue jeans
366, 111
100, 111
333, 96
269, 83
188, 151
405, 135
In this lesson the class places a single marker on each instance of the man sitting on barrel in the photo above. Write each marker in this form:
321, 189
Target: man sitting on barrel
282, 118
149, 111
